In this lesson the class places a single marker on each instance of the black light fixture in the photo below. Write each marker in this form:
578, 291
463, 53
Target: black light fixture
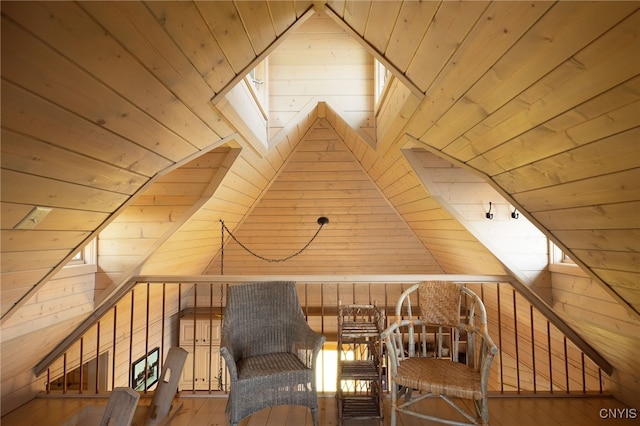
515, 214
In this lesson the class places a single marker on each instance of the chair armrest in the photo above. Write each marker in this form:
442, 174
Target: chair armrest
488, 350
389, 337
393, 339
488, 341
306, 339
227, 353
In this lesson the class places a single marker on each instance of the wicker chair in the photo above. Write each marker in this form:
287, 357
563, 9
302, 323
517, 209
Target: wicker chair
439, 354
269, 349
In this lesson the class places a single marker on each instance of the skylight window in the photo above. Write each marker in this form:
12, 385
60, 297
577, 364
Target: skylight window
258, 82
558, 256
382, 77
85, 256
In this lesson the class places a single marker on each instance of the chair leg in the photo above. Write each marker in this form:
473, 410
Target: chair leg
394, 401
482, 410
484, 404
314, 416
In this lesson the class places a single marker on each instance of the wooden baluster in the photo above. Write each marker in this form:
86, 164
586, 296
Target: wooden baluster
500, 338
97, 357
146, 338
515, 331
210, 334
193, 357
64, 373
550, 356
566, 362
162, 324
81, 366
131, 335
533, 348
113, 345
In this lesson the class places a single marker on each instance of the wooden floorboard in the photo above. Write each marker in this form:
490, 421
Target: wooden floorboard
210, 411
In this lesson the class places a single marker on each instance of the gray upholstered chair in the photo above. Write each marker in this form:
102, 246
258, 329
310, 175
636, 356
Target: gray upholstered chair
444, 352
269, 349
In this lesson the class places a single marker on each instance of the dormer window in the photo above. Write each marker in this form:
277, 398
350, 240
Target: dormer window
381, 77
257, 80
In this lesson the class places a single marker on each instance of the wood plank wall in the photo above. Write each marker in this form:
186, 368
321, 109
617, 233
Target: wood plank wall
155, 215
602, 321
320, 62
103, 177
236, 197
469, 198
446, 239
550, 199
128, 349
322, 178
60, 306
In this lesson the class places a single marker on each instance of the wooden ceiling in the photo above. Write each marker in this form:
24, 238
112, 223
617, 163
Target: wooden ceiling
107, 118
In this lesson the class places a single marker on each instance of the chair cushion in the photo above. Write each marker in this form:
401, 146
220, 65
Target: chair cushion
269, 364
439, 376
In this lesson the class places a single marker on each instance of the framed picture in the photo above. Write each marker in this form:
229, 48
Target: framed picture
143, 378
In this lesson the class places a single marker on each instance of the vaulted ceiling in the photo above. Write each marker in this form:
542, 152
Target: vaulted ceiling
111, 117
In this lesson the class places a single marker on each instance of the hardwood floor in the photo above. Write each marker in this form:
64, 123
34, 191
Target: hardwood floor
209, 411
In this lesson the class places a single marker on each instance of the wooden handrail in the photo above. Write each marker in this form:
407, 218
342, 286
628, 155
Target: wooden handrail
311, 279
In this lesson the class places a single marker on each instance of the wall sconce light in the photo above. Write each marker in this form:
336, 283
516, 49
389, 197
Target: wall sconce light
489, 215
515, 214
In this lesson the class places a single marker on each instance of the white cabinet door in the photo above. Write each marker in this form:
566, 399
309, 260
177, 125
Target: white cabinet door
186, 380
204, 364
205, 334
200, 330
208, 330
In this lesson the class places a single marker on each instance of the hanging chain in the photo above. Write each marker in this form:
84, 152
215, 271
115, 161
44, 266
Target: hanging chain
224, 227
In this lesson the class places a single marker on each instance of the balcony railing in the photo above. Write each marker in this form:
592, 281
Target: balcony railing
535, 356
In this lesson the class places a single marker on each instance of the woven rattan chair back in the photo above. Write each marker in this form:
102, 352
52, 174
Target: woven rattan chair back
439, 303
